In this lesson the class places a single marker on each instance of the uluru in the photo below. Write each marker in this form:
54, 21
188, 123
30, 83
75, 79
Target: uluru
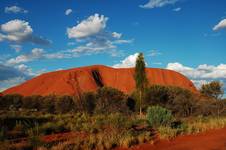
84, 79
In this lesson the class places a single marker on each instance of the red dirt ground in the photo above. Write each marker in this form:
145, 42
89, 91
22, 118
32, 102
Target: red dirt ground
78, 80
210, 140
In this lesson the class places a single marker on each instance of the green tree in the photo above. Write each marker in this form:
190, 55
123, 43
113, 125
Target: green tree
213, 89
140, 78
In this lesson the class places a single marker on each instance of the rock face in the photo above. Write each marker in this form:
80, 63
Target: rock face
78, 80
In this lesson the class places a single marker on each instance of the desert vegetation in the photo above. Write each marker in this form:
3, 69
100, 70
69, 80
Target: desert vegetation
109, 118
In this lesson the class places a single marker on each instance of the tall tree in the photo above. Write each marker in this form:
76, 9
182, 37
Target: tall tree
140, 78
213, 89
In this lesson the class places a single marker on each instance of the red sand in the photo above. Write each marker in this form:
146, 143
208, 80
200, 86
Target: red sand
210, 140
79, 80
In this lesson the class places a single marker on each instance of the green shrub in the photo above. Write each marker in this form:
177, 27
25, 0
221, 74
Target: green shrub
48, 103
64, 104
158, 116
11, 101
213, 89
110, 100
156, 95
32, 102
88, 102
181, 101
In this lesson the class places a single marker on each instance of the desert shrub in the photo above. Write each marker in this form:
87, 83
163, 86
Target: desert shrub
181, 102
48, 103
110, 100
213, 89
11, 101
32, 102
64, 104
156, 95
131, 104
158, 116
88, 102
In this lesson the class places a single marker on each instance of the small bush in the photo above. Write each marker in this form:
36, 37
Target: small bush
158, 116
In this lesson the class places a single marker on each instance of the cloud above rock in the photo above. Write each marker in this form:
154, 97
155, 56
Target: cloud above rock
19, 31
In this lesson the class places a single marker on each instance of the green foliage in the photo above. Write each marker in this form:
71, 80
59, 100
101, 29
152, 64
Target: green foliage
156, 95
140, 74
213, 89
48, 104
32, 102
182, 102
140, 78
11, 101
110, 100
89, 102
64, 104
158, 116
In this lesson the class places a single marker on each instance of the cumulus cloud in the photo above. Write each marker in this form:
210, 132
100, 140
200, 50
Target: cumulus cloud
202, 73
68, 12
220, 25
88, 27
20, 31
36, 53
158, 3
15, 10
94, 38
128, 62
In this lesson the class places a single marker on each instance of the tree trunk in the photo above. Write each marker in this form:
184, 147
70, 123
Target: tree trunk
140, 103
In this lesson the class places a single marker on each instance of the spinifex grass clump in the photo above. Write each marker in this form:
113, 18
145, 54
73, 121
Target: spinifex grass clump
158, 116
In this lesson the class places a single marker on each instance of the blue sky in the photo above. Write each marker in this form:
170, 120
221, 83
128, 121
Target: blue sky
183, 35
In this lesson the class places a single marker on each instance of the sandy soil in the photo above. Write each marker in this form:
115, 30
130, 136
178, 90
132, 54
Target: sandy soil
211, 140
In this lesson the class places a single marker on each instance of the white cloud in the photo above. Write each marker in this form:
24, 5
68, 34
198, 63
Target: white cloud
36, 53
88, 27
93, 39
16, 47
128, 62
25, 69
15, 9
17, 30
94, 47
220, 25
177, 9
68, 12
116, 35
202, 73
158, 3
20, 31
